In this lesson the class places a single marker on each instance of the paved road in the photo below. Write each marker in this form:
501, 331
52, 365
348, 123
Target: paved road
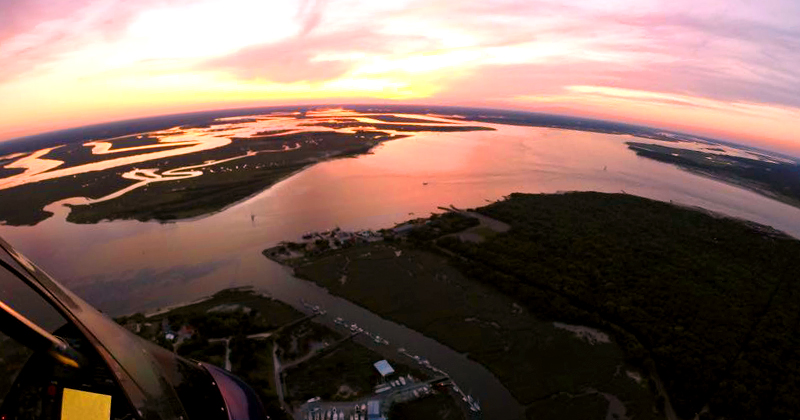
227, 350
396, 394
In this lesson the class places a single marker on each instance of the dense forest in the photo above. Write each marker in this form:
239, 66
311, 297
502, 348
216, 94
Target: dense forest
710, 303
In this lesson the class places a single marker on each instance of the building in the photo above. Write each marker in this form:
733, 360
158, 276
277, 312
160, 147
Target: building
384, 368
185, 332
374, 410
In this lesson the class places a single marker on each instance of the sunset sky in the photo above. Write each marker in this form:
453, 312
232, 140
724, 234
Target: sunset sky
726, 68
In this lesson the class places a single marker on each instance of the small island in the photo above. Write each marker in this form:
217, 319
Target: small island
191, 170
681, 312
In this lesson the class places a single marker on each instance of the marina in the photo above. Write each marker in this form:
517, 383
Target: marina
406, 386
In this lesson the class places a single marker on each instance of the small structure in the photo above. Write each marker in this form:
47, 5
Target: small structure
384, 368
374, 410
185, 332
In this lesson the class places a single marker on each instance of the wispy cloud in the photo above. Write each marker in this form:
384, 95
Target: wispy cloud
694, 55
310, 14
306, 57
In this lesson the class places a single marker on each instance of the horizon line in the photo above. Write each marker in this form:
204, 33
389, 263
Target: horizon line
27, 137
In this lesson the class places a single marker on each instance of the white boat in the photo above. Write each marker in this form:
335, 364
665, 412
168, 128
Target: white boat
474, 406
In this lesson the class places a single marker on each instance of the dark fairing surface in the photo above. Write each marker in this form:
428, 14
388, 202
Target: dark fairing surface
158, 384
241, 401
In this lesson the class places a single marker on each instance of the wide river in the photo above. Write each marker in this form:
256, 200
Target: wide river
128, 266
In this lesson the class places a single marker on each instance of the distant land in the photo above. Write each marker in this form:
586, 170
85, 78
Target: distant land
706, 306
777, 179
116, 178
490, 115
189, 165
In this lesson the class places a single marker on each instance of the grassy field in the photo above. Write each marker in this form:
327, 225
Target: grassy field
343, 373
703, 302
566, 406
263, 314
533, 359
297, 341
201, 349
432, 407
238, 312
251, 360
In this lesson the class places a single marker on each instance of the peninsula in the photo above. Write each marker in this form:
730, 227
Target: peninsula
687, 311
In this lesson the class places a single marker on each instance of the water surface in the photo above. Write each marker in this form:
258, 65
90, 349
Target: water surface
127, 266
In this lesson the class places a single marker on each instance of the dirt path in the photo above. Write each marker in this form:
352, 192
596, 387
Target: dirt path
487, 226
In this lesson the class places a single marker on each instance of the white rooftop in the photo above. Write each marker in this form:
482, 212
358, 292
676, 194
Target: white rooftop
384, 368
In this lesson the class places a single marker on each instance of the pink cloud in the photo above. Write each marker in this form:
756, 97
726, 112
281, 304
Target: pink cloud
310, 14
295, 60
730, 52
36, 32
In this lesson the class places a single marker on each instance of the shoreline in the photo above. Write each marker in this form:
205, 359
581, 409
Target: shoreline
368, 276
509, 380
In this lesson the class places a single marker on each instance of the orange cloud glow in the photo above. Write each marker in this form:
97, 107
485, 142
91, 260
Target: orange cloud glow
710, 67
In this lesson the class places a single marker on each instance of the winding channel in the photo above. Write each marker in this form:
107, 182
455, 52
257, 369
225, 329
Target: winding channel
496, 401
